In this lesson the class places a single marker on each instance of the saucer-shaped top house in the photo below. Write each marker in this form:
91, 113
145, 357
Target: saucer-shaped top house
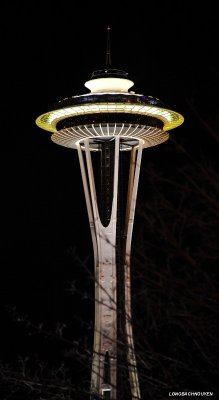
110, 109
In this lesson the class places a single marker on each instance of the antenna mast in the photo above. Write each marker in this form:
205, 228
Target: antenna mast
108, 50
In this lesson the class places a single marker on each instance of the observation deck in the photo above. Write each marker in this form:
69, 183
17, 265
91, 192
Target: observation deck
109, 110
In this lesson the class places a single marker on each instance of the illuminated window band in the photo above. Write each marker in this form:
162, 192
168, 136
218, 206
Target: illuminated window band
170, 119
150, 136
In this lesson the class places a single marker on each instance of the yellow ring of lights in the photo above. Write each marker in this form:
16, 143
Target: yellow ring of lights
49, 120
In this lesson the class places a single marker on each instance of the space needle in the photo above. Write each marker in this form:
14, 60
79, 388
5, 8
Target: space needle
109, 127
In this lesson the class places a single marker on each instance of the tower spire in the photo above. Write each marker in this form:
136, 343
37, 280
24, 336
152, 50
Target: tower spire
108, 50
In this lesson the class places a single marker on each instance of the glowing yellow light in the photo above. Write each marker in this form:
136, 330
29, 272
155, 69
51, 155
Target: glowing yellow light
49, 120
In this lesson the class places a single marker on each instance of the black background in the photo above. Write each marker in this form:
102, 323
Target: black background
48, 51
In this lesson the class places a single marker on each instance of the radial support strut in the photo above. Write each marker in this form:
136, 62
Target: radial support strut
104, 366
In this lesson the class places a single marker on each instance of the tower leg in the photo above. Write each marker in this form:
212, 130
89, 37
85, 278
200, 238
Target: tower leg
104, 366
135, 164
103, 380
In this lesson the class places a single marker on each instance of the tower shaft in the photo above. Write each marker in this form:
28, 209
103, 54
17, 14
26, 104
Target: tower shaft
111, 121
111, 289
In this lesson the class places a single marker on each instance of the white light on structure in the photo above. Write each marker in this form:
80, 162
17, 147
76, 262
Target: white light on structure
70, 137
117, 85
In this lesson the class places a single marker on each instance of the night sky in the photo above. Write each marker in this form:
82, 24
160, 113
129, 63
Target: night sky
48, 51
